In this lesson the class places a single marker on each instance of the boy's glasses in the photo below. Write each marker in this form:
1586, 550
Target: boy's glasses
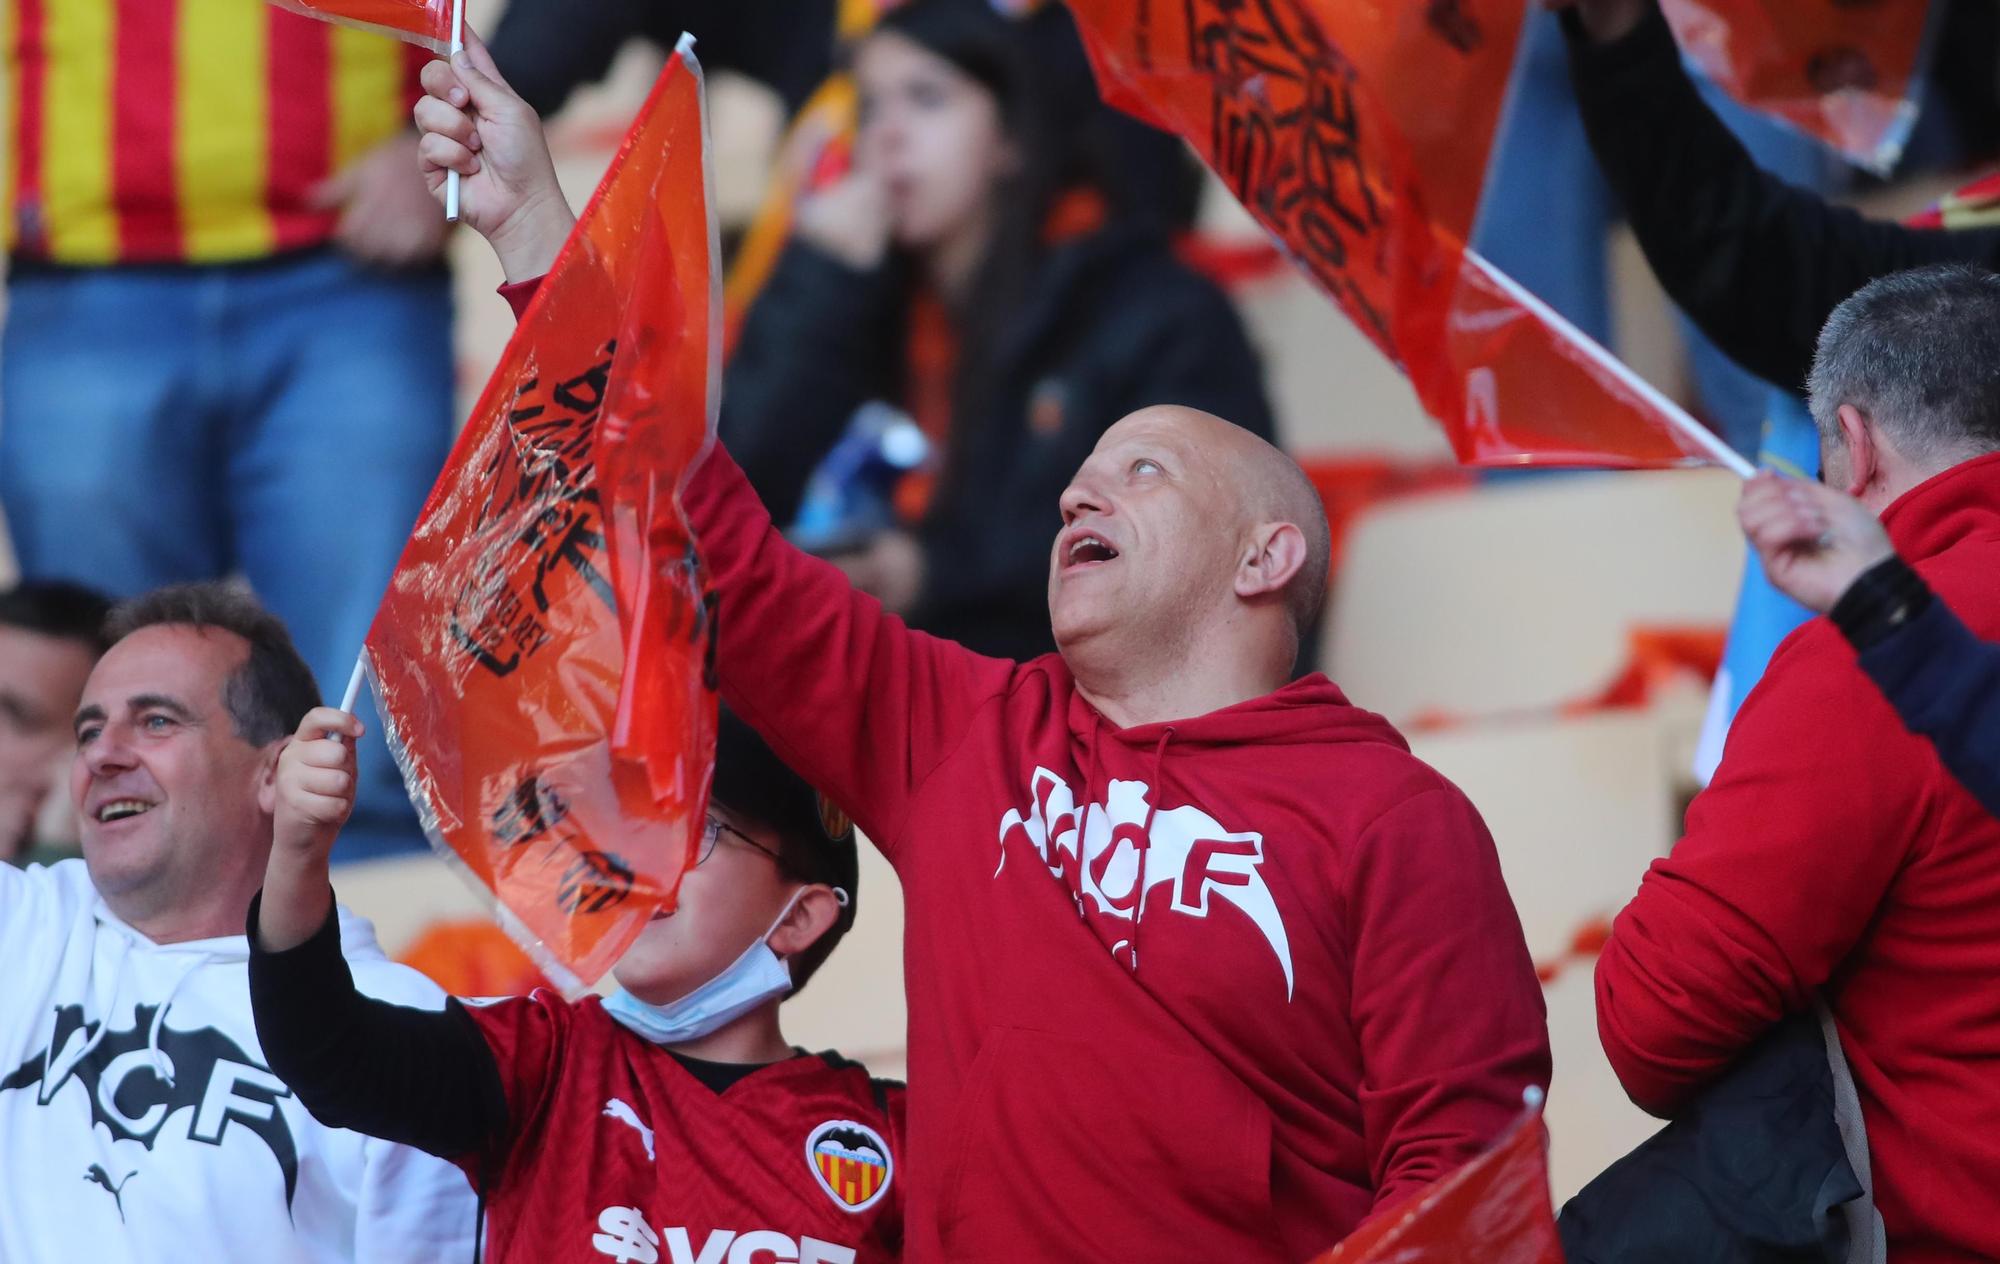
713, 829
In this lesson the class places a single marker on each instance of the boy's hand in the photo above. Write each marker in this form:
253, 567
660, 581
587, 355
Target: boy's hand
1814, 541
471, 122
314, 792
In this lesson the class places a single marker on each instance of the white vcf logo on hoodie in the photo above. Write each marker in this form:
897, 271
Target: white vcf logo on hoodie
1097, 851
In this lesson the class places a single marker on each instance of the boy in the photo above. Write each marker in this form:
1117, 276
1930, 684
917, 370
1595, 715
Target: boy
669, 1122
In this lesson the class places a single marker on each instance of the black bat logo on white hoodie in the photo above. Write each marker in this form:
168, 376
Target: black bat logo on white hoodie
209, 1073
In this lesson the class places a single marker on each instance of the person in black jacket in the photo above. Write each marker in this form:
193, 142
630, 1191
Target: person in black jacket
970, 273
1829, 553
1757, 264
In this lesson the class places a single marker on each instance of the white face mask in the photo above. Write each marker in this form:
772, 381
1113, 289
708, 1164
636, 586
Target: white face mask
745, 983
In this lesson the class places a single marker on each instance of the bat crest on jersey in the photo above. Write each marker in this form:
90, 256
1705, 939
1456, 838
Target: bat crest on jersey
851, 1162
1188, 851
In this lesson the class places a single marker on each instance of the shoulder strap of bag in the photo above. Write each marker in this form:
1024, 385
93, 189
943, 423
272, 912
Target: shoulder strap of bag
1866, 1241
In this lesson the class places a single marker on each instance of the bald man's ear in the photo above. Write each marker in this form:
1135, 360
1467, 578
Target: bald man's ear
1277, 551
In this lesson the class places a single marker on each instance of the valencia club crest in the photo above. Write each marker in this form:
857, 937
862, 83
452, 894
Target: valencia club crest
851, 1162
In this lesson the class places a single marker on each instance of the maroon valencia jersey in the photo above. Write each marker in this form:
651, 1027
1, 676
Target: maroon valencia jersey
616, 1151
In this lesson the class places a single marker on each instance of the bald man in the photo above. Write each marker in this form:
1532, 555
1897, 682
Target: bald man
1202, 965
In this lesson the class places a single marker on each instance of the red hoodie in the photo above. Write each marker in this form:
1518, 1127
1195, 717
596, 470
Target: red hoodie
1833, 853
1324, 1003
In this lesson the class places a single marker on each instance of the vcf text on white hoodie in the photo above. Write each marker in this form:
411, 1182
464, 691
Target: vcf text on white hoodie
139, 1123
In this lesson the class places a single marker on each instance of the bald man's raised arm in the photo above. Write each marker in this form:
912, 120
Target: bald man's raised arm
846, 694
854, 700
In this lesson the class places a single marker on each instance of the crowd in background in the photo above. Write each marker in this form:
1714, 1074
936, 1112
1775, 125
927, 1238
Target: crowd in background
230, 361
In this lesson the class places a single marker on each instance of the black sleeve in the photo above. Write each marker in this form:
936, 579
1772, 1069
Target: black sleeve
1756, 263
546, 49
422, 1078
811, 351
1943, 681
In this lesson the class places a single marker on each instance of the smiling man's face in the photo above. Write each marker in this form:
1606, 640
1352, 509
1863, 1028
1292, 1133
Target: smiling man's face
163, 785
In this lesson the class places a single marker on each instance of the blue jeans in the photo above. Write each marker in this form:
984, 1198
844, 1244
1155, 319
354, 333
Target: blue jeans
281, 420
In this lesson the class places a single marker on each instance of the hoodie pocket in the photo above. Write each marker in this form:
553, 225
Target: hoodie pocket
1062, 1151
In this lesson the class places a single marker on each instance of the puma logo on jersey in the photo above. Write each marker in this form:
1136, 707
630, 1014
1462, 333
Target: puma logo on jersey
624, 1114
624, 1236
1188, 851
98, 1176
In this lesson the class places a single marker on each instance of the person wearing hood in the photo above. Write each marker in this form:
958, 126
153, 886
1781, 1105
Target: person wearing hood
670, 1121
981, 286
139, 1120
1834, 857
1201, 964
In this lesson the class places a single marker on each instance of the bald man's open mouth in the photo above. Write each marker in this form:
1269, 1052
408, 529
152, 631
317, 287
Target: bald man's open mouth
1083, 548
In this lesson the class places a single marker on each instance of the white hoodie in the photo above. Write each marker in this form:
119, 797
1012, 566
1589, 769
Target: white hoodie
138, 1122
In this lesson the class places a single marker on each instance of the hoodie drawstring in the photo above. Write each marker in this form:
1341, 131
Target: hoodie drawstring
1158, 791
1083, 818
162, 1067
93, 1039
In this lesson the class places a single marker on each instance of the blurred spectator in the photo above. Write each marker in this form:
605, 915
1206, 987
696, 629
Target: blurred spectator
1757, 263
1832, 857
51, 634
228, 339
139, 1120
970, 274
1826, 550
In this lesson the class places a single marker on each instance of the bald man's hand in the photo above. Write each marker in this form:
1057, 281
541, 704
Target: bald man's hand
1814, 541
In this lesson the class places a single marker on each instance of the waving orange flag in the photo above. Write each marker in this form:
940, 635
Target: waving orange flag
1357, 134
540, 658
1846, 74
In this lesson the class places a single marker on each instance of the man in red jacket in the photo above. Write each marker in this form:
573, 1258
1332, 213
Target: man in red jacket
1833, 854
1201, 965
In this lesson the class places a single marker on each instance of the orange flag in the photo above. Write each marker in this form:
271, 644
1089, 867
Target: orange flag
426, 22
1494, 1210
539, 659
1357, 135
1844, 73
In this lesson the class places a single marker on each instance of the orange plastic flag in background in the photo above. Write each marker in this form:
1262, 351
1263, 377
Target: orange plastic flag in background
540, 658
426, 22
1842, 72
1357, 134
1494, 1210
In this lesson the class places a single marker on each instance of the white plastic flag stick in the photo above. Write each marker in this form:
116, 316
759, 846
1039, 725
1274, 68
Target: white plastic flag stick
352, 697
450, 186
1690, 429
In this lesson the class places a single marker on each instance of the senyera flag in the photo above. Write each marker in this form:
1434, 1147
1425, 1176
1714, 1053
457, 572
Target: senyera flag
540, 660
1494, 1210
426, 22
1846, 74
1357, 135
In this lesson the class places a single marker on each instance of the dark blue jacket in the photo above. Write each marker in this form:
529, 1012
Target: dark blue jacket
1942, 680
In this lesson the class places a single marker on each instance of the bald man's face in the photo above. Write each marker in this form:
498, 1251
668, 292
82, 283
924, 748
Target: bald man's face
1151, 529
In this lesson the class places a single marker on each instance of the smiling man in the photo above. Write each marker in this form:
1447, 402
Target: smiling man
138, 1118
